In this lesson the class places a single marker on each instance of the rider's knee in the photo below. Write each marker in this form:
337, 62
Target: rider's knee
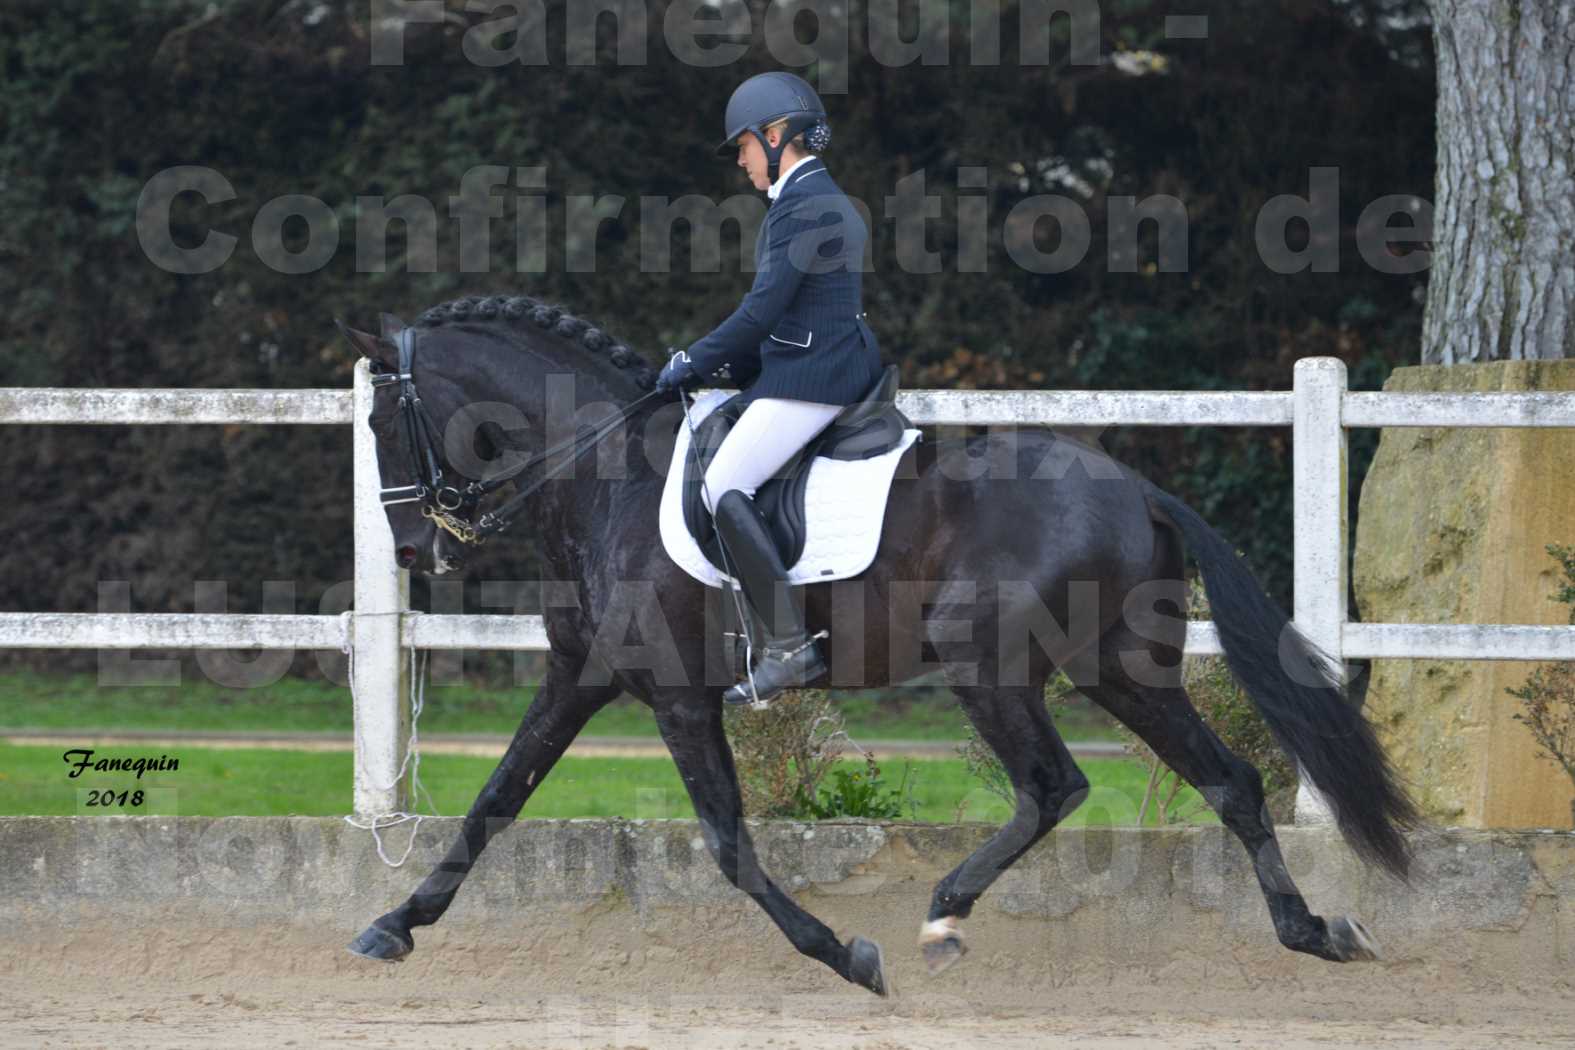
723, 496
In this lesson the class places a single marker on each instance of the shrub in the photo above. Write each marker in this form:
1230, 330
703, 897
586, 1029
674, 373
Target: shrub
980, 759
860, 793
1222, 703
784, 752
1229, 711
1548, 697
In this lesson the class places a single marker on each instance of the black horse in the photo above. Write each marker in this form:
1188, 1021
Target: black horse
1006, 536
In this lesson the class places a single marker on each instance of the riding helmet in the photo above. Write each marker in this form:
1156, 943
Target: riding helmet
766, 98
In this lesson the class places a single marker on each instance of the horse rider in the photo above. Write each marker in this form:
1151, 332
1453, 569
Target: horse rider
798, 346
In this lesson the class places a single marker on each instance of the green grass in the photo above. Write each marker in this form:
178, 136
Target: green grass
78, 702
213, 782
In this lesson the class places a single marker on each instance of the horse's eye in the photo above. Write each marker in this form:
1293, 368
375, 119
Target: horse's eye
488, 443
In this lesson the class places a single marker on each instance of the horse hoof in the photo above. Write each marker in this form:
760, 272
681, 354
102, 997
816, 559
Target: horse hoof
867, 966
941, 943
1352, 942
378, 943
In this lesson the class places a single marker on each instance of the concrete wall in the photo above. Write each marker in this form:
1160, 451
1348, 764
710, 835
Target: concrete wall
639, 906
1452, 528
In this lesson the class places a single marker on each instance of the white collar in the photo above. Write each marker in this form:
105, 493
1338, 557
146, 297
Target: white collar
776, 187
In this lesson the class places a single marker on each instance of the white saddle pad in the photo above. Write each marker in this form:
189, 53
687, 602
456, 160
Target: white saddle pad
844, 507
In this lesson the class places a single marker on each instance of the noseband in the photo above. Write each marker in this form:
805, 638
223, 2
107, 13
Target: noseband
444, 503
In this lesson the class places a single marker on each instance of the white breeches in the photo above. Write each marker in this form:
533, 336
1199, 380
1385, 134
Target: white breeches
768, 434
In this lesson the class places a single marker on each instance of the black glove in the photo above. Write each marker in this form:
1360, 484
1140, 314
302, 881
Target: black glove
679, 372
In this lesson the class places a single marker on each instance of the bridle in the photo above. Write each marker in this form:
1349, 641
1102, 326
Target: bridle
444, 503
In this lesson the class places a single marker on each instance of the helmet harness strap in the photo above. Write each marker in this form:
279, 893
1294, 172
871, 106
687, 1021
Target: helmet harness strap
774, 153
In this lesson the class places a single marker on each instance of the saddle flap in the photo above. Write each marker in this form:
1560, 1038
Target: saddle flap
825, 514
708, 436
866, 429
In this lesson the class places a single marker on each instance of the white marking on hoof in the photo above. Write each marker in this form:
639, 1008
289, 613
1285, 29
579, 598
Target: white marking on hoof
941, 943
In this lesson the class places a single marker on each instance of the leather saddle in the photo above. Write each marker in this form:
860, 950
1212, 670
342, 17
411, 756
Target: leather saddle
869, 427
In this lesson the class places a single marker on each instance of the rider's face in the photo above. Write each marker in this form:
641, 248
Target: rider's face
752, 158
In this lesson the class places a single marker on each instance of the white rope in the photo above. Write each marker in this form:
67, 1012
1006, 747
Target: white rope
419, 663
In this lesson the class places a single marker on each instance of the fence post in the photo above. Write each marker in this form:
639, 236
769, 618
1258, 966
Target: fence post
1318, 455
382, 594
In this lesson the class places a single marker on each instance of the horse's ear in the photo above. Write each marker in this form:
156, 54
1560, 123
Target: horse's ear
366, 344
392, 326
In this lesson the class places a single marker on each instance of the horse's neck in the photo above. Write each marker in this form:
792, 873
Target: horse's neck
578, 521
626, 490
572, 508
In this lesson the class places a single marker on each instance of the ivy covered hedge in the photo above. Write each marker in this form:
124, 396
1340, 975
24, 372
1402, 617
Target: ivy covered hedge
279, 97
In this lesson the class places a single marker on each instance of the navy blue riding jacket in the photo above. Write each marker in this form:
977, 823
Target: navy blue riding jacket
801, 332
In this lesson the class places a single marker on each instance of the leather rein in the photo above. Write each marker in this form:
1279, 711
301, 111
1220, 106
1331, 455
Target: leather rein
445, 503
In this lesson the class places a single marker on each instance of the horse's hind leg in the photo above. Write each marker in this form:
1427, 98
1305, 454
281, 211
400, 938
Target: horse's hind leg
555, 717
692, 728
1153, 705
1016, 725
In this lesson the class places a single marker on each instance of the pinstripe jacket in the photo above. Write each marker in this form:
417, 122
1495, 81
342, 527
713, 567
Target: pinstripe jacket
801, 332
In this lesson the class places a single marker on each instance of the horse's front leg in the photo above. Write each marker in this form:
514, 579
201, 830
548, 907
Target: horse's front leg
692, 729
556, 716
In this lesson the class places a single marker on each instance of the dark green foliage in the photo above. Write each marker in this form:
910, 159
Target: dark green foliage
279, 98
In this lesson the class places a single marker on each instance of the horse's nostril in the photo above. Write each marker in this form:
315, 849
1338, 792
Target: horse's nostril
406, 557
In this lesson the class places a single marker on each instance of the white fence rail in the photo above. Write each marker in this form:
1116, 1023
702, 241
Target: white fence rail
1319, 408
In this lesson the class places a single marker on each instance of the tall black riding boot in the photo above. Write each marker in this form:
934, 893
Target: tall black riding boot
788, 657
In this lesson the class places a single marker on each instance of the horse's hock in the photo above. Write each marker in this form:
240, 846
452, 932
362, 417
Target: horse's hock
1452, 528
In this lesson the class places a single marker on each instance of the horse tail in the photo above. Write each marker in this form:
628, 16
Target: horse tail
1293, 685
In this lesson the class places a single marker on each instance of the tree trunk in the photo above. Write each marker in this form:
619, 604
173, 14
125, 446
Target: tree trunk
1502, 284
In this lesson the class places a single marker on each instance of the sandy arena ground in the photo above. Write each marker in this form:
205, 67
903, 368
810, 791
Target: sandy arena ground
265, 1001
335, 1015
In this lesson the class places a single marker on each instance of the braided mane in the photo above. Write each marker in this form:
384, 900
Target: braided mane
521, 309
